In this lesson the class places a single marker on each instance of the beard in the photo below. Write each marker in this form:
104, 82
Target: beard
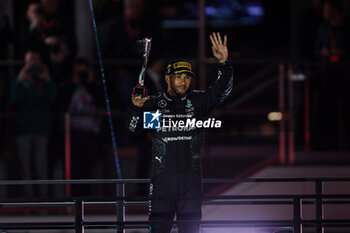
178, 91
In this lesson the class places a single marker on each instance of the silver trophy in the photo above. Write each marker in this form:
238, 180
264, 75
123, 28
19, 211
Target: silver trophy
140, 89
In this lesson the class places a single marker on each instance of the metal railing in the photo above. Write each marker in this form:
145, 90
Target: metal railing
297, 201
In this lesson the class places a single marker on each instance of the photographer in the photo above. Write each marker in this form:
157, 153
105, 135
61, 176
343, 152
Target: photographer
32, 93
31, 33
40, 26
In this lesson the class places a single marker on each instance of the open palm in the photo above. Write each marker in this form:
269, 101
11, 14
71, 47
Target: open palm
219, 47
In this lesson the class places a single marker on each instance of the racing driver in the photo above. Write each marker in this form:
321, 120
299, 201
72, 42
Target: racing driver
176, 185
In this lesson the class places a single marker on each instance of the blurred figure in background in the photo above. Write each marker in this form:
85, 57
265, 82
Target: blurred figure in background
119, 37
44, 22
33, 92
330, 94
38, 29
119, 41
308, 24
332, 41
58, 21
50, 9
61, 67
81, 98
122, 32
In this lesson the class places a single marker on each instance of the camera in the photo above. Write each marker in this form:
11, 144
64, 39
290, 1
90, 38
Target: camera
35, 70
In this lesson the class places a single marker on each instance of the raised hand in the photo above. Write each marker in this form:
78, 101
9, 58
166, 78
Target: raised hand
219, 48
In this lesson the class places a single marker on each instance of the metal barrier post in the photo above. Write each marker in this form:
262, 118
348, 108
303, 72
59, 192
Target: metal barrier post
291, 154
67, 152
307, 137
120, 207
297, 214
79, 216
282, 133
319, 207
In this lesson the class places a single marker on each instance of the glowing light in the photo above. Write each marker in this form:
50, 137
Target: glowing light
255, 10
274, 116
211, 11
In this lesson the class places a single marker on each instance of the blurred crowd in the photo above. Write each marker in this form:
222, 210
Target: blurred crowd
52, 81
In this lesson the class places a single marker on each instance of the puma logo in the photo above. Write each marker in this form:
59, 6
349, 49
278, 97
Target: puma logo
159, 159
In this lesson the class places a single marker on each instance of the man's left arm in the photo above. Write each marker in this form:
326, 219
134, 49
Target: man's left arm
224, 83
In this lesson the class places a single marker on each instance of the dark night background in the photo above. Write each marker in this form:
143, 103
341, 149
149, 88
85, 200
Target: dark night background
279, 32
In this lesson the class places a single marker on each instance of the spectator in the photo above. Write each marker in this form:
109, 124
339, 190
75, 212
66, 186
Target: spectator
123, 32
43, 22
81, 98
331, 44
50, 8
52, 19
330, 96
32, 92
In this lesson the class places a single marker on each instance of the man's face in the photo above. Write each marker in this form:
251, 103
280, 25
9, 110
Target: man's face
50, 6
178, 84
81, 67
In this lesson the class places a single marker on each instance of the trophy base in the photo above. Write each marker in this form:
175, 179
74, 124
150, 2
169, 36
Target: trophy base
140, 91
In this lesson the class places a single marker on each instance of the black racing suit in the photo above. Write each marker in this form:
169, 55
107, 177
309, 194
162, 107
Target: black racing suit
176, 185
